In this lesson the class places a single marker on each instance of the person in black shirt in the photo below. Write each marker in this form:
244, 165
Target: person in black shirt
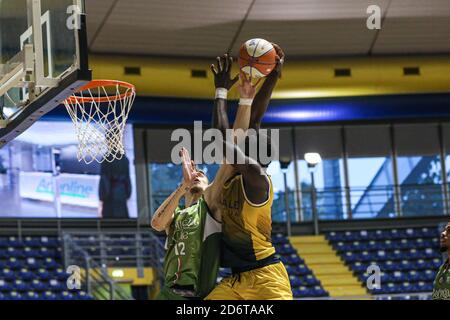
115, 188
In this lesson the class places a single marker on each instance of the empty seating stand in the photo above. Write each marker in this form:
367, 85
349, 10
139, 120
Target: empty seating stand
31, 269
408, 258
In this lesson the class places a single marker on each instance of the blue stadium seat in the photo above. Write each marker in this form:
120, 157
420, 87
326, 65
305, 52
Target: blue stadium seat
49, 242
20, 285
33, 264
295, 281
38, 285
48, 295
31, 295
31, 242
56, 285
30, 252
26, 274
81, 295
50, 263
5, 286
64, 295
311, 280
60, 274
14, 295
14, 264
279, 238
43, 274
294, 259
7, 274
15, 252
318, 291
14, 242
429, 275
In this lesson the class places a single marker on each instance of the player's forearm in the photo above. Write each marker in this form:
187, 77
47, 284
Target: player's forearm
220, 116
262, 100
242, 117
163, 215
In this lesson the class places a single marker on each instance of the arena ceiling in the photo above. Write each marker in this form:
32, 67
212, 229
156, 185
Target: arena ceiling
313, 28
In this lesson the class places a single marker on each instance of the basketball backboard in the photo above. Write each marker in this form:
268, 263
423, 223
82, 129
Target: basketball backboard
43, 59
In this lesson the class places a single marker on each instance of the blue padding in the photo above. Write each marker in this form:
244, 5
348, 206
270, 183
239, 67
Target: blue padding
176, 111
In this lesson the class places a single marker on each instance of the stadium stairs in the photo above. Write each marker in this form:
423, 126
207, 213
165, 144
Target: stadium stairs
327, 266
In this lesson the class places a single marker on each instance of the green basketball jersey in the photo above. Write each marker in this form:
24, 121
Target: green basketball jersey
193, 249
441, 290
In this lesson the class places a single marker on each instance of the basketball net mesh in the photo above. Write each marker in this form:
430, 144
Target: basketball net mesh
100, 118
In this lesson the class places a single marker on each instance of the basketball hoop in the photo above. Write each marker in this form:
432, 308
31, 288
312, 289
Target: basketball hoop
99, 111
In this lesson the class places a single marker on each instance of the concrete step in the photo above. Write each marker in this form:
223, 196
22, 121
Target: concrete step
342, 291
320, 258
307, 239
339, 279
315, 248
328, 269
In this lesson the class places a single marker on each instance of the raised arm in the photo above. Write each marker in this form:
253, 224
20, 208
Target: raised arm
163, 216
222, 79
222, 83
262, 98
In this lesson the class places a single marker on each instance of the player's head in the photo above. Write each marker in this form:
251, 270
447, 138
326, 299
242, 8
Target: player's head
258, 146
200, 182
445, 238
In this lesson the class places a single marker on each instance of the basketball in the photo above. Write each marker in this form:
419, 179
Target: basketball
257, 58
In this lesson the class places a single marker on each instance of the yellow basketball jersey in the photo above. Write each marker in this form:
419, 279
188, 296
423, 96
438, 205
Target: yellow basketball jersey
246, 227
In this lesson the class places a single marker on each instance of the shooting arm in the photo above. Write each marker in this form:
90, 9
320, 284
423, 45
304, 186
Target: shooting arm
164, 215
262, 99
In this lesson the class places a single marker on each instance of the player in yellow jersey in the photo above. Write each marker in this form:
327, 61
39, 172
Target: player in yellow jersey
245, 205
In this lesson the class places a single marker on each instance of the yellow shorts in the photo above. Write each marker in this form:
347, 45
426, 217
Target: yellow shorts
267, 283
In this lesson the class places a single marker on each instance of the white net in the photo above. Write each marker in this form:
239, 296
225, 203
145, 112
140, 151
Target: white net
99, 112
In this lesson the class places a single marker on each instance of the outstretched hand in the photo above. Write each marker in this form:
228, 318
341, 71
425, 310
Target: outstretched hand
188, 167
279, 59
221, 72
247, 90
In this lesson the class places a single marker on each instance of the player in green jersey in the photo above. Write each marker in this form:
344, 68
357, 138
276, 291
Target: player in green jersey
441, 290
193, 233
193, 236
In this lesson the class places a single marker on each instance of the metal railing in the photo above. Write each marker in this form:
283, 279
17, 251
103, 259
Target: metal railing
378, 202
93, 279
112, 249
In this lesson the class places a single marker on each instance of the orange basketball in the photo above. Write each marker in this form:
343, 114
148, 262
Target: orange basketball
257, 58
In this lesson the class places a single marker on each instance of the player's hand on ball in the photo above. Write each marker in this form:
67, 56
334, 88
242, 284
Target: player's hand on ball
280, 59
247, 90
222, 70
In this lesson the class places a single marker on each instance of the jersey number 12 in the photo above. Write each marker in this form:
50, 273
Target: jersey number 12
179, 249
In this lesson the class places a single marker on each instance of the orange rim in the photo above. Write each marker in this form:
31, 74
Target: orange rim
103, 83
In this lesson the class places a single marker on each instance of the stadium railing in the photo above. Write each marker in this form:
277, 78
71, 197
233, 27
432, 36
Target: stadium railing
93, 278
111, 249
